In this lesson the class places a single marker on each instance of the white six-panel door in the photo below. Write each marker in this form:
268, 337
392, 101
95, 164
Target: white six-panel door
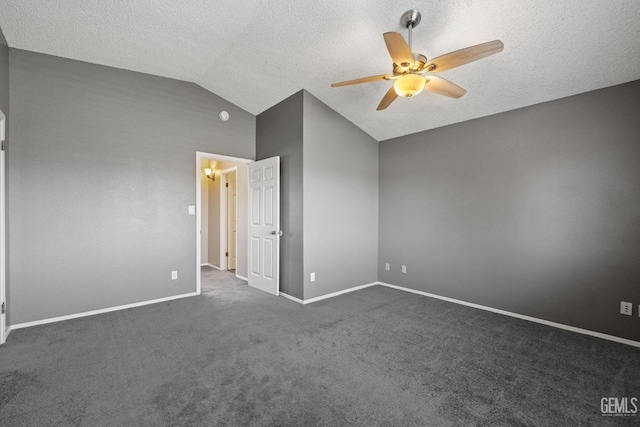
264, 225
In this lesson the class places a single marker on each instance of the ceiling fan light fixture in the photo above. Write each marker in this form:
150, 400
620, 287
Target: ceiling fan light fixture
409, 85
408, 67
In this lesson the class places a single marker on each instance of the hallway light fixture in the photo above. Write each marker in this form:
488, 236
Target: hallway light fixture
210, 174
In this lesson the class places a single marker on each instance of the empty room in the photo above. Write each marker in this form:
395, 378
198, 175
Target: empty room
322, 213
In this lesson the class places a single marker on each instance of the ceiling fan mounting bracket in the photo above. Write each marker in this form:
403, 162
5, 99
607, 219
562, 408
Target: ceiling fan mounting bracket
410, 19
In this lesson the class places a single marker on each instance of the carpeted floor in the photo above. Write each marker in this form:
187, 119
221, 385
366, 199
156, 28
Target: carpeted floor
378, 356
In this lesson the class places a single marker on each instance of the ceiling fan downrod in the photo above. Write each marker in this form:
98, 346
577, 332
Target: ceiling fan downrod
410, 19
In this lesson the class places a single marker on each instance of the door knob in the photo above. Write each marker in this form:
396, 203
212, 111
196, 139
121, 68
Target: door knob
277, 233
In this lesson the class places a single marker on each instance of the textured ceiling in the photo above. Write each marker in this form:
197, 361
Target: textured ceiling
256, 53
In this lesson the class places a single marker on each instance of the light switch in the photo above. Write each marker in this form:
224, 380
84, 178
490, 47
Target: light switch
192, 210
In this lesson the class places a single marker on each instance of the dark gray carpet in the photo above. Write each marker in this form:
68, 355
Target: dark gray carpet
237, 356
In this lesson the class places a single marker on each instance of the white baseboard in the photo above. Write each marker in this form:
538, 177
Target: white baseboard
299, 301
331, 295
335, 294
94, 312
242, 277
7, 332
473, 305
519, 316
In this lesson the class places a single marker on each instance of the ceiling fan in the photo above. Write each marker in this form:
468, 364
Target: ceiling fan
411, 71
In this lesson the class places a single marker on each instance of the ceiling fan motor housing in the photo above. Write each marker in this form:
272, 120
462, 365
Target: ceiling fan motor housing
418, 65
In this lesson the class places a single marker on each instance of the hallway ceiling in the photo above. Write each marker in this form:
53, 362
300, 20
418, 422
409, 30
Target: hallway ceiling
257, 53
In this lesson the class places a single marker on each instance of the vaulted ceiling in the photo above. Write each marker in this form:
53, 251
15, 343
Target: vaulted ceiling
256, 53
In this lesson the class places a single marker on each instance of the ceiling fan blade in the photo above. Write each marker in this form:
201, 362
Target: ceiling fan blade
398, 49
464, 56
389, 97
363, 80
444, 87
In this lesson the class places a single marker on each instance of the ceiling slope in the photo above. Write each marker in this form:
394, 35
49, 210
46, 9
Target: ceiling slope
256, 53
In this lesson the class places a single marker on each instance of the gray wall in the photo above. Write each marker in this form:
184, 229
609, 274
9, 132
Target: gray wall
534, 211
4, 106
4, 75
340, 201
279, 133
102, 169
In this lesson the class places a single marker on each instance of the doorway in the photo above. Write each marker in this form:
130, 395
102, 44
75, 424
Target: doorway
257, 213
222, 226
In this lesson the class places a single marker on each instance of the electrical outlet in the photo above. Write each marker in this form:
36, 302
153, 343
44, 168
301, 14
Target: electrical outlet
174, 275
404, 268
626, 308
387, 266
313, 277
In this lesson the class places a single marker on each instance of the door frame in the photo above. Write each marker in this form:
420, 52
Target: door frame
3, 252
200, 155
223, 216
